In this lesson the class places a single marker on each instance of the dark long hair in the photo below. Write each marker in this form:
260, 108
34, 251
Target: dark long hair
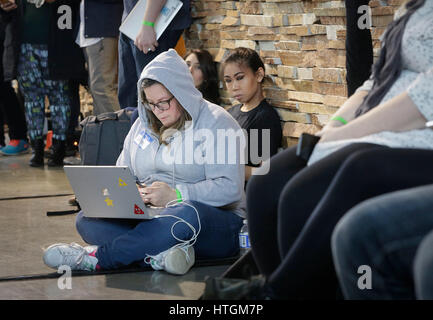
210, 85
244, 56
388, 67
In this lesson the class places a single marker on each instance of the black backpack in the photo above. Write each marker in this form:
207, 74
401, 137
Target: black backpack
101, 141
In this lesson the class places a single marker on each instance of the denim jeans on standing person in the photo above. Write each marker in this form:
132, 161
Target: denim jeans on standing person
132, 62
122, 242
383, 233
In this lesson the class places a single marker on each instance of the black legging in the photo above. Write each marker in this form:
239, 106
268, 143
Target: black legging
291, 222
359, 47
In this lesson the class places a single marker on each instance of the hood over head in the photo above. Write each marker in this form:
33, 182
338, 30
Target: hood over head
213, 183
171, 70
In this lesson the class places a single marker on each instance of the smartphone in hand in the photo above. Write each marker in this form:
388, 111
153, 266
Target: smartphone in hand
306, 145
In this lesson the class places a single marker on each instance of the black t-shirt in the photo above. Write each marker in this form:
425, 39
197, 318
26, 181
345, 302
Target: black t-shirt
264, 116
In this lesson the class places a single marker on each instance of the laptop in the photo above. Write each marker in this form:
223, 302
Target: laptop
108, 192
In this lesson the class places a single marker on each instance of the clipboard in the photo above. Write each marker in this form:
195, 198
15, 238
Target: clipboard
132, 24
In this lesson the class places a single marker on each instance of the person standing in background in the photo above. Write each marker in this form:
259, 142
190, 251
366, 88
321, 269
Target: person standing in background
98, 37
48, 59
135, 55
359, 47
9, 104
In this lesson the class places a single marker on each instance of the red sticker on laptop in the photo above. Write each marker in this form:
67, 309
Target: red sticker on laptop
137, 210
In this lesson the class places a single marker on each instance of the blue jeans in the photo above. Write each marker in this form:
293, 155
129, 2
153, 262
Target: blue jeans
423, 266
122, 242
383, 233
132, 62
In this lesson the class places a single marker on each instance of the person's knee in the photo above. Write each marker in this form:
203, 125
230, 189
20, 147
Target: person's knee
360, 160
343, 236
423, 264
351, 233
183, 220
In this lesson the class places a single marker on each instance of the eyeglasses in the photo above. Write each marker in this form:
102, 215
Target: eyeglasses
162, 105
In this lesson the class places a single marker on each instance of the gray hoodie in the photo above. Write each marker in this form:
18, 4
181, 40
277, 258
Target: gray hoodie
199, 161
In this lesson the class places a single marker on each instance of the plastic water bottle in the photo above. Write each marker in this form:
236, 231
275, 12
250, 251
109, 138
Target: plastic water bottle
244, 240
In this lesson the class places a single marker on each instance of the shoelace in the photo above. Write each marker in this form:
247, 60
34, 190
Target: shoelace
70, 258
155, 262
185, 249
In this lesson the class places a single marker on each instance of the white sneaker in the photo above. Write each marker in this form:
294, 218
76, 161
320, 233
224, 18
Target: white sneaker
72, 255
175, 260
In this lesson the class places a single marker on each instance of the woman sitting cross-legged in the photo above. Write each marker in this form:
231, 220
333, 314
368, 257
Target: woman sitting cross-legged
204, 74
202, 195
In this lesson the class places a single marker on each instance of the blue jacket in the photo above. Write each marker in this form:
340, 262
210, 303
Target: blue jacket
102, 18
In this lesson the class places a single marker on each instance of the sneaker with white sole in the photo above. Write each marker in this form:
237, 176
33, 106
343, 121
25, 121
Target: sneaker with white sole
15, 147
72, 255
176, 260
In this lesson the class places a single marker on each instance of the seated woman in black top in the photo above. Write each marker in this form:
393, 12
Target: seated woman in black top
243, 73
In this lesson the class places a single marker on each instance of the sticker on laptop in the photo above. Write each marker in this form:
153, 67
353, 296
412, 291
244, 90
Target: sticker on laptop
137, 210
109, 202
122, 183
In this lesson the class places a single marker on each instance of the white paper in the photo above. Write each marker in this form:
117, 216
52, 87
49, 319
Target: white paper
132, 24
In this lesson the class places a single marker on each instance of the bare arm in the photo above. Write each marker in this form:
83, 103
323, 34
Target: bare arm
397, 114
146, 39
346, 111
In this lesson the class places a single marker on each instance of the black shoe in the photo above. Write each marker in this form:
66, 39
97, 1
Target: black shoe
58, 154
37, 159
235, 289
48, 153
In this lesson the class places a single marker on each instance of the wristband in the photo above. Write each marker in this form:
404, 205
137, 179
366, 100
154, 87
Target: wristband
179, 196
340, 119
148, 23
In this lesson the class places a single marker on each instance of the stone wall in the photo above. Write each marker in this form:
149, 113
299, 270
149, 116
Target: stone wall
302, 44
